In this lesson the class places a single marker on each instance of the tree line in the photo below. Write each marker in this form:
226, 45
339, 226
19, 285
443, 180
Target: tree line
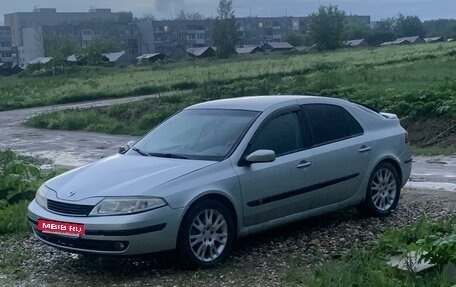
328, 28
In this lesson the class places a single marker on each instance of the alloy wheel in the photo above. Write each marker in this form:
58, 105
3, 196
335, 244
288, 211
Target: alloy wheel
208, 235
383, 188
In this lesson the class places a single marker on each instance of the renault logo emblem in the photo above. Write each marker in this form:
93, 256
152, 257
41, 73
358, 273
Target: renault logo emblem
71, 193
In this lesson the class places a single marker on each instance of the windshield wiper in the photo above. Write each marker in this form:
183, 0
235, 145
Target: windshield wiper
139, 151
167, 155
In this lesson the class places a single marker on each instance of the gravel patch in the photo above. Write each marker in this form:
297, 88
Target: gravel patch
259, 260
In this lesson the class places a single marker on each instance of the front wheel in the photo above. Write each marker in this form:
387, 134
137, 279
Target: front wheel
206, 235
383, 191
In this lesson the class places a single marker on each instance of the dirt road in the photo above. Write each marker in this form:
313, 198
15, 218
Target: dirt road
75, 148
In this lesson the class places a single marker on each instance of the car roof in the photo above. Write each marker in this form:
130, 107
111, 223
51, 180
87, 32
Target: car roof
260, 103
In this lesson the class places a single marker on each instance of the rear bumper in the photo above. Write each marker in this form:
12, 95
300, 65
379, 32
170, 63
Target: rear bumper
141, 233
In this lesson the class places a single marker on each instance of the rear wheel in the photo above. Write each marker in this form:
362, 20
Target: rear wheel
206, 235
383, 191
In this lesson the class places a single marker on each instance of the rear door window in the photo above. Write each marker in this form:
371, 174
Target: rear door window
330, 123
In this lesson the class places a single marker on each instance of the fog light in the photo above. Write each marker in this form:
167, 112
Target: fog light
121, 245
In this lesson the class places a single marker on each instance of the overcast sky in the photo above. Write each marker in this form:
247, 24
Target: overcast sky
425, 9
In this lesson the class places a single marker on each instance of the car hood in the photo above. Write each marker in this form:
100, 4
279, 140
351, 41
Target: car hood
121, 175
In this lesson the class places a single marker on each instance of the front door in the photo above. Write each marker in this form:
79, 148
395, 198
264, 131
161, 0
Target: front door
273, 190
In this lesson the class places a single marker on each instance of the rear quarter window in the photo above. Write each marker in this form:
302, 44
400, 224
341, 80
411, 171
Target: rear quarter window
330, 123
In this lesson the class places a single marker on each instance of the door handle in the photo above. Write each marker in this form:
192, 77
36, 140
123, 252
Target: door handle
364, 149
304, 164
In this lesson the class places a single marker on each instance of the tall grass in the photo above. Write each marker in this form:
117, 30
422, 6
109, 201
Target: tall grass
95, 83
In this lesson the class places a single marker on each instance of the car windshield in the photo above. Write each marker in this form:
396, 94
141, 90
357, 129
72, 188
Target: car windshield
197, 134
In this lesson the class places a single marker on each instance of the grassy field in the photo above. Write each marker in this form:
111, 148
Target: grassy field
416, 82
382, 71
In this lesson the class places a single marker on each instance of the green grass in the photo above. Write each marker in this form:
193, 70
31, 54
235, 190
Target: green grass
368, 267
317, 71
434, 150
13, 218
134, 118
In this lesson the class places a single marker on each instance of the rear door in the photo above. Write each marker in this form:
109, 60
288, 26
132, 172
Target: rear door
341, 153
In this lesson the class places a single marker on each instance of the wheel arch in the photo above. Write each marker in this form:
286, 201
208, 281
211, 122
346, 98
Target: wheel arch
366, 206
394, 162
217, 196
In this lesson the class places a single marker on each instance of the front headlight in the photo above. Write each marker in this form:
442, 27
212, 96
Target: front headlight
118, 206
41, 197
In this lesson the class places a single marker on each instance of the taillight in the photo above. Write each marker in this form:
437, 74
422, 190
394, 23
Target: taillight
407, 140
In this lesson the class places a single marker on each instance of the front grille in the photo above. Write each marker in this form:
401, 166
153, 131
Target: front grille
86, 244
69, 208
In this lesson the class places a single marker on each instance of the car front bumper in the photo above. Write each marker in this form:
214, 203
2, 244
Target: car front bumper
147, 232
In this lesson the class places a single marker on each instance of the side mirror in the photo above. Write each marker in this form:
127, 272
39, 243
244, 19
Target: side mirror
262, 155
123, 150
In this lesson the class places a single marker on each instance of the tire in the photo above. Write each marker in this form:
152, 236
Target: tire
383, 191
206, 235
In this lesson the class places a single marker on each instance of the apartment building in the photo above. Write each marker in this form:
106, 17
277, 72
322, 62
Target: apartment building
31, 30
7, 54
50, 17
252, 30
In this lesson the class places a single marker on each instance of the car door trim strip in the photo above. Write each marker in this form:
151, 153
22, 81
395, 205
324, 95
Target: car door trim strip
300, 191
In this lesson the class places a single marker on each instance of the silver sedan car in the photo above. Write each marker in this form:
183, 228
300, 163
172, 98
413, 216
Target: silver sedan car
224, 169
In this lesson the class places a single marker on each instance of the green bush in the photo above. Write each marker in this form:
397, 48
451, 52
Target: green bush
20, 177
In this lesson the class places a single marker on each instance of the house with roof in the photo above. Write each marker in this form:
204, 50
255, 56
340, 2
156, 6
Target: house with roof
6, 69
78, 59
40, 60
433, 39
248, 49
404, 41
277, 46
201, 52
173, 51
302, 48
150, 58
408, 40
116, 58
356, 43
